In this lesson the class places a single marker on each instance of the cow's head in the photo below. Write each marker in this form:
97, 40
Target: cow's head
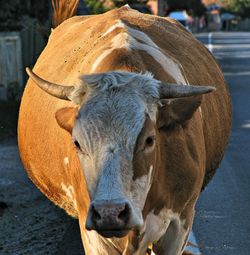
116, 137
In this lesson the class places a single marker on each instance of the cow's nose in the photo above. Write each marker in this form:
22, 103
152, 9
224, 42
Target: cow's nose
108, 215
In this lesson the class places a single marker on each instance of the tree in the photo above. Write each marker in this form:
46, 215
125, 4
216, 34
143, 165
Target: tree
241, 7
96, 6
12, 12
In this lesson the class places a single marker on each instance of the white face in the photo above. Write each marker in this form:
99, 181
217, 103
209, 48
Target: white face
112, 133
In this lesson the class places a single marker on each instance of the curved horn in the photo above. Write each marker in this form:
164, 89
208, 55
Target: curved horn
59, 91
176, 91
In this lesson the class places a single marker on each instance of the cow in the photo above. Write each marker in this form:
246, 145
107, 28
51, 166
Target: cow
123, 122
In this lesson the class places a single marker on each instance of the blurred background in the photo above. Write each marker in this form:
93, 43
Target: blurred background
29, 223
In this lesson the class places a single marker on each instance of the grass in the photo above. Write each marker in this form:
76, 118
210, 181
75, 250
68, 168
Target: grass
8, 119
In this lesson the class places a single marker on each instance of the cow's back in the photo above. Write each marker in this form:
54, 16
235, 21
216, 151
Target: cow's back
73, 49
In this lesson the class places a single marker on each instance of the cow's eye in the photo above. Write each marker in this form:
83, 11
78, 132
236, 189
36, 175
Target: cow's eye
77, 145
79, 148
149, 141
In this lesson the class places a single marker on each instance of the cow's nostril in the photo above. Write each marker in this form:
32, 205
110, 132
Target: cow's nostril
95, 214
124, 214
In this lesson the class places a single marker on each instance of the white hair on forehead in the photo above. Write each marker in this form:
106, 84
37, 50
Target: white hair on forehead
142, 83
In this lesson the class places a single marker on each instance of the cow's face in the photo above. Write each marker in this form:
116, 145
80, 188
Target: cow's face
115, 135
115, 138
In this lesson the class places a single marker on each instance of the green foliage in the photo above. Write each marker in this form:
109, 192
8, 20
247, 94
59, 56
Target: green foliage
95, 6
12, 11
241, 7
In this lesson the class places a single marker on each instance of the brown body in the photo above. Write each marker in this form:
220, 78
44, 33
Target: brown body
47, 150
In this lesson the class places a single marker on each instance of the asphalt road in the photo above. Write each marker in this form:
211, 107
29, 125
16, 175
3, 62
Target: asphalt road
222, 223
30, 224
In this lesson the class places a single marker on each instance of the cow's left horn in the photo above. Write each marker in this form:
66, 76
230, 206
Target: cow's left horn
59, 91
176, 91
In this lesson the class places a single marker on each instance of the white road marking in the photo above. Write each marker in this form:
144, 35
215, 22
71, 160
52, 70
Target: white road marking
246, 125
243, 48
210, 44
236, 73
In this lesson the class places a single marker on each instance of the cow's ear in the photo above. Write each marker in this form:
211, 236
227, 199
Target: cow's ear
176, 111
66, 117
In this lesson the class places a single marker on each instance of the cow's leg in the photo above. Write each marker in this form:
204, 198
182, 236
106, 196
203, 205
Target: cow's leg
173, 242
154, 227
170, 229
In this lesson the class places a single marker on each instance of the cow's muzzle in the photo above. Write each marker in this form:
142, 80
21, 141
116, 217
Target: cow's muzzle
109, 218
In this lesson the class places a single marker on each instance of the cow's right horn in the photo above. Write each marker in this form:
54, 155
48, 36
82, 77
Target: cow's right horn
59, 91
177, 91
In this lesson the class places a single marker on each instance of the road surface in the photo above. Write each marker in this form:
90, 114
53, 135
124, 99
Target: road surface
30, 224
222, 223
